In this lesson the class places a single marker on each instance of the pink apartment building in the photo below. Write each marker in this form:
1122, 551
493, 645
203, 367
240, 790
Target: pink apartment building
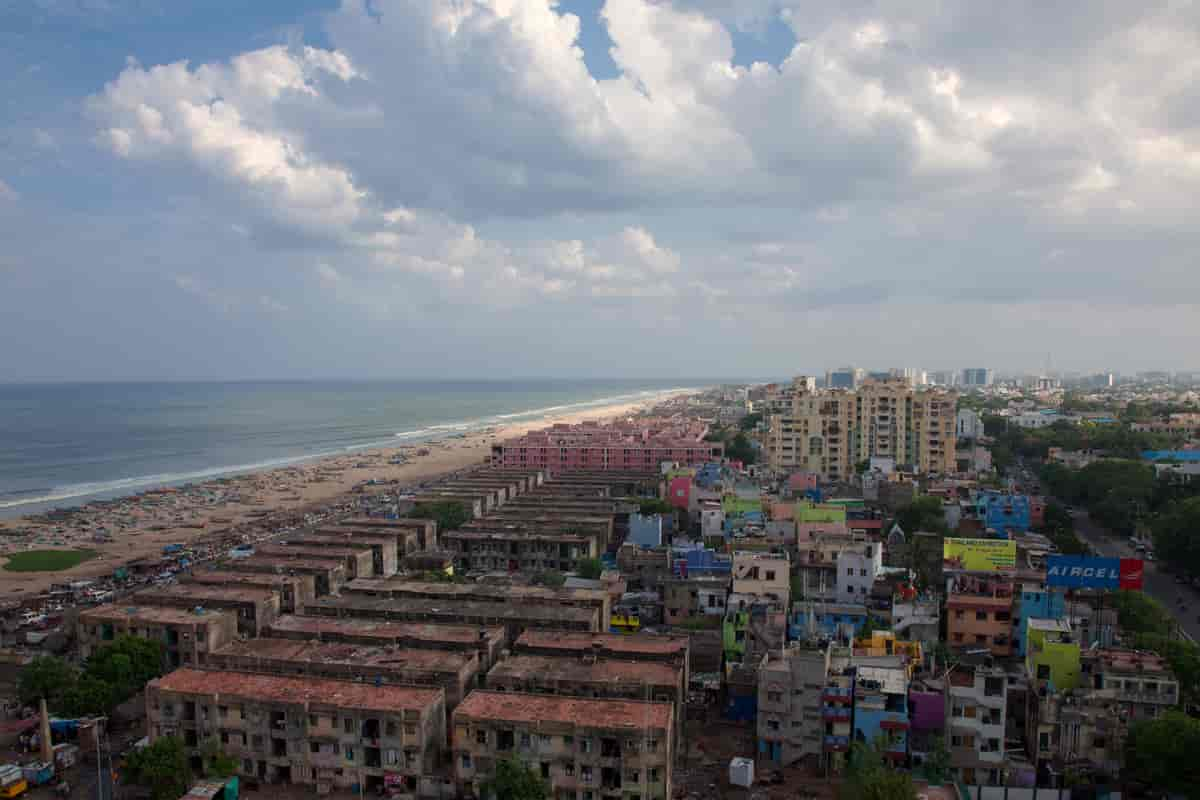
633, 445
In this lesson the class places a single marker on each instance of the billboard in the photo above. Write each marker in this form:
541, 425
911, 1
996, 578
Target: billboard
1089, 572
979, 555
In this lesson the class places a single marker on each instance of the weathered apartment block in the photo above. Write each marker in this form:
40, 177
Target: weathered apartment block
294, 590
384, 548
255, 606
328, 573
514, 617
358, 560
456, 672
791, 719
515, 594
187, 635
512, 548
589, 676
485, 642
323, 733
425, 529
583, 748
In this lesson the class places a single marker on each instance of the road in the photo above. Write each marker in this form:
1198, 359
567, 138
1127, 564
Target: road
1157, 583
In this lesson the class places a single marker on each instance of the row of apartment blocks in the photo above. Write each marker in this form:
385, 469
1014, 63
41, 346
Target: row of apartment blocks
594, 713
630, 445
830, 431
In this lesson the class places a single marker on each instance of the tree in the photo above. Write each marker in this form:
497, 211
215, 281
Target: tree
1162, 753
90, 696
515, 780
217, 763
654, 506
922, 514
937, 763
750, 421
161, 767
1174, 535
1140, 613
127, 664
449, 514
590, 568
741, 449
1182, 656
868, 778
46, 677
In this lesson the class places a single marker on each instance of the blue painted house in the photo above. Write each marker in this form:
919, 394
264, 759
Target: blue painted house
881, 709
1004, 513
810, 619
645, 530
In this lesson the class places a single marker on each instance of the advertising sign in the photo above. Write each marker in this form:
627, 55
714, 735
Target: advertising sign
1089, 572
979, 555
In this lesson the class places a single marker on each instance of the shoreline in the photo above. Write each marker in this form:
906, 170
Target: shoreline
140, 524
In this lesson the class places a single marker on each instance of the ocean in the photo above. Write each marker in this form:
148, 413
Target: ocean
64, 444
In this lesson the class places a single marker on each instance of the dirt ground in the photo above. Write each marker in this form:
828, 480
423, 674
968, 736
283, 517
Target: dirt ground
703, 773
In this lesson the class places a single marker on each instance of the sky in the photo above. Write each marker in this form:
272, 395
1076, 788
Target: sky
616, 188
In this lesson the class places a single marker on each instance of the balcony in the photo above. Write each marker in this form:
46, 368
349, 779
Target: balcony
835, 714
836, 744
836, 694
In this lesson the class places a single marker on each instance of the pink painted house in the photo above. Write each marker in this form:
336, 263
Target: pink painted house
631, 445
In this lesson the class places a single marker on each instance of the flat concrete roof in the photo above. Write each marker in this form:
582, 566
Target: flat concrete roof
297, 690
582, 712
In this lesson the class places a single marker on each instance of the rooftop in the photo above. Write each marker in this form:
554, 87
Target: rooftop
404, 586
220, 577
1132, 661
385, 630
207, 592
454, 608
165, 615
891, 680
283, 563
1052, 625
602, 671
583, 712
296, 690
389, 657
645, 643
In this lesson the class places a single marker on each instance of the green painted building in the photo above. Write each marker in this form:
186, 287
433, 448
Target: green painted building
1051, 653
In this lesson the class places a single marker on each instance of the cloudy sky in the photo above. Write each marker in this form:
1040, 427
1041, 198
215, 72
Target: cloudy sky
414, 188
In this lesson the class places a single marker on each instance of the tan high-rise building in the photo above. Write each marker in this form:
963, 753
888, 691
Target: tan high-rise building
831, 431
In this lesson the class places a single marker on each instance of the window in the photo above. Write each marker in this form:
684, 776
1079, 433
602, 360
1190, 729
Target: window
652, 745
969, 712
774, 697
772, 724
585, 774
391, 756
958, 614
569, 769
568, 740
525, 740
981, 616
1043, 672
980, 639
770, 574
544, 740
348, 725
222, 711
313, 747
466, 761
410, 730
481, 737
390, 728
349, 753
585, 745
545, 766
653, 775
850, 571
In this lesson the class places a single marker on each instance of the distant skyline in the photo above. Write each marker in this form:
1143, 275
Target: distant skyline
621, 188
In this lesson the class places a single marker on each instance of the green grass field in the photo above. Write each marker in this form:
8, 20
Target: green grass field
47, 560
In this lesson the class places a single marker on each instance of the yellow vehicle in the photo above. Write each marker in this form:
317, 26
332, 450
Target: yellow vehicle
12, 781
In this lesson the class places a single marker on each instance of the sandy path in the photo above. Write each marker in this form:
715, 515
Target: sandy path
141, 524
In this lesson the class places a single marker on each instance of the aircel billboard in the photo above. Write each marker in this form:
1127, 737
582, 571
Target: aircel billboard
1088, 572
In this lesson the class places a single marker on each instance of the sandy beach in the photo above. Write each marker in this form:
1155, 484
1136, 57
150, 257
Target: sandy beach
140, 525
